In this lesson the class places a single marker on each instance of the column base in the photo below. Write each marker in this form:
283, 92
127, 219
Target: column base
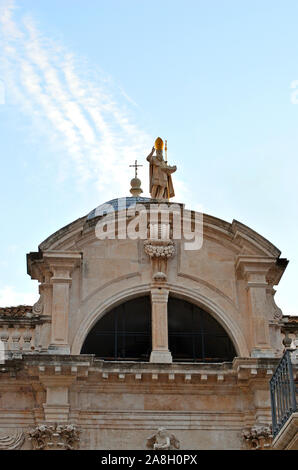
162, 357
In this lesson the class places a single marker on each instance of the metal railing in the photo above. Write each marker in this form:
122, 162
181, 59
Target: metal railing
283, 393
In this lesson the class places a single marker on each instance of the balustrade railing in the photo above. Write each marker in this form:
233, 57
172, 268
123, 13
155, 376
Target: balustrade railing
16, 340
283, 393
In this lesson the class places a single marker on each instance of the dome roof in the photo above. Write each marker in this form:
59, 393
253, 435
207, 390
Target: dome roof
118, 204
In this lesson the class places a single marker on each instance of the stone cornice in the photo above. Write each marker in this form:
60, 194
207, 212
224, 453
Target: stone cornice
236, 232
44, 264
66, 370
247, 266
24, 321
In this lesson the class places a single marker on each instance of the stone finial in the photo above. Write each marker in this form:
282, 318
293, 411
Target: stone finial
135, 183
163, 440
258, 437
136, 189
287, 341
54, 437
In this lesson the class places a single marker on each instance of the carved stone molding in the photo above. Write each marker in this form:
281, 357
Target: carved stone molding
275, 311
258, 437
159, 277
159, 251
37, 308
159, 248
163, 440
54, 437
11, 442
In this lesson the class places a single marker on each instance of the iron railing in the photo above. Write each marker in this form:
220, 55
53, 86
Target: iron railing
283, 393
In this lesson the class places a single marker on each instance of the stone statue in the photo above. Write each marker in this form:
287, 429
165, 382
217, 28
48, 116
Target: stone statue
163, 440
161, 185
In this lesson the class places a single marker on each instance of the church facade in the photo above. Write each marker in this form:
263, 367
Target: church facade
142, 340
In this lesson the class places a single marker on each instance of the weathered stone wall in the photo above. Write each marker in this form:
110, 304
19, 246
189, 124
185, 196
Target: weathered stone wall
119, 405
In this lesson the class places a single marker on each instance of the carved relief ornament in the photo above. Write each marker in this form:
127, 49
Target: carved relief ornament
54, 437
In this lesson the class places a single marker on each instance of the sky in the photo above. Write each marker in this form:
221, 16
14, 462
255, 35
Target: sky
87, 86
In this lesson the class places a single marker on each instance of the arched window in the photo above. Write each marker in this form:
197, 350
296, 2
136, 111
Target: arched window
195, 336
124, 333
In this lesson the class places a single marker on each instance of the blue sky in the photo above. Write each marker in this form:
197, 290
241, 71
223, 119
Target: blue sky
87, 86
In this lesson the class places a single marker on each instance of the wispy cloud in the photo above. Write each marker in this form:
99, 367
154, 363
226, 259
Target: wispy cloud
91, 121
88, 117
10, 296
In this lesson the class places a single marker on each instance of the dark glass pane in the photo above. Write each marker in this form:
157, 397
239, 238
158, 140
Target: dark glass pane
194, 335
136, 314
179, 309
101, 345
208, 323
107, 322
217, 348
124, 333
180, 347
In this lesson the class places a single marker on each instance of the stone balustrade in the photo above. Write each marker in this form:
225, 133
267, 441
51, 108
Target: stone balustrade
17, 338
21, 335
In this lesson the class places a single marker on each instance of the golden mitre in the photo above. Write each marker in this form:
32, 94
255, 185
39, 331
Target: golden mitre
158, 144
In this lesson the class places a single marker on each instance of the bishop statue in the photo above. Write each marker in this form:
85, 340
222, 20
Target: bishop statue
161, 185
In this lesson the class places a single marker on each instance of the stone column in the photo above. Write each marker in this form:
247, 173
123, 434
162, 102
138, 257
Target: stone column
61, 265
254, 270
159, 251
159, 318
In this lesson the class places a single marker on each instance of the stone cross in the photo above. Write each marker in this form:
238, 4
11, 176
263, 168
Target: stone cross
135, 166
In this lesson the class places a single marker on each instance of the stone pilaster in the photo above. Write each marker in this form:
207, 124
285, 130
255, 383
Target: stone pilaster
61, 265
56, 408
254, 271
